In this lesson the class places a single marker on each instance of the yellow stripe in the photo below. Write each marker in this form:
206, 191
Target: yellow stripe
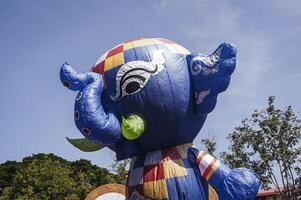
108, 63
142, 42
113, 61
156, 41
212, 193
155, 189
174, 168
182, 149
118, 59
128, 45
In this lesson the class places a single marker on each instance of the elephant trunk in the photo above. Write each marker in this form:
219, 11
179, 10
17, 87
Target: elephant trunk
89, 115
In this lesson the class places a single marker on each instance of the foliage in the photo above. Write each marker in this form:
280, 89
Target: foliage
7, 171
42, 177
267, 142
210, 144
120, 168
46, 176
89, 176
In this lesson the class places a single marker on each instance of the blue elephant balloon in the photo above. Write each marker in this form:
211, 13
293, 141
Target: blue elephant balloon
147, 99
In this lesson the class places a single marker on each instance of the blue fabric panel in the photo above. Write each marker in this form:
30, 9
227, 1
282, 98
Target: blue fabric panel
130, 55
139, 162
185, 188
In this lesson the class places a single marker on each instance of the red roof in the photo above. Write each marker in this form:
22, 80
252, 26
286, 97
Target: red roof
268, 192
271, 192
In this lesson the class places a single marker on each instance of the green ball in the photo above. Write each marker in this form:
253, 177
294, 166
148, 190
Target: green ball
132, 127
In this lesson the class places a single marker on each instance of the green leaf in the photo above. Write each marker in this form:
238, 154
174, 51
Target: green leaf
85, 145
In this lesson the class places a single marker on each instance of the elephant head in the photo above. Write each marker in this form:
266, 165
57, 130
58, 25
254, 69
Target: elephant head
153, 87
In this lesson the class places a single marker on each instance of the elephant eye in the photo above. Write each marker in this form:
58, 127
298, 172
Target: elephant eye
133, 76
134, 79
132, 87
66, 84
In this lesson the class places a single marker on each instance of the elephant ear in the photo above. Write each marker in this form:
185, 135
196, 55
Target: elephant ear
85, 145
210, 75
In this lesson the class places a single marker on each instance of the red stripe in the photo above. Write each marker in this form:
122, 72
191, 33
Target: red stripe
209, 168
171, 154
115, 51
153, 172
99, 68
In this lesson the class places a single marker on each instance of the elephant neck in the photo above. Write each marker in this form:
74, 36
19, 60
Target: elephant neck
178, 152
148, 174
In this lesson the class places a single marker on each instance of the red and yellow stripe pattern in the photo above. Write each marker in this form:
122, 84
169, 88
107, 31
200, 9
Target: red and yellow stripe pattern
118, 55
166, 173
150, 176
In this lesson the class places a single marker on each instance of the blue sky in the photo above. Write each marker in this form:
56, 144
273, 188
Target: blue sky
37, 36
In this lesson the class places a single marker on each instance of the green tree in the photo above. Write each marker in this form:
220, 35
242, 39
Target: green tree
121, 170
7, 171
89, 177
210, 144
42, 176
46, 176
267, 142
